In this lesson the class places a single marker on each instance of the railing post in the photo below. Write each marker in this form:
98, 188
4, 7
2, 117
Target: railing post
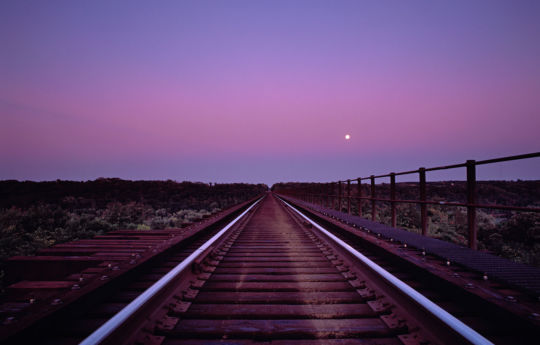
471, 200
349, 196
330, 192
423, 206
331, 195
334, 196
359, 197
373, 202
339, 196
327, 195
393, 197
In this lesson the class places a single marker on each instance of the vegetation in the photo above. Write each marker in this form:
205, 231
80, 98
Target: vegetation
511, 234
35, 215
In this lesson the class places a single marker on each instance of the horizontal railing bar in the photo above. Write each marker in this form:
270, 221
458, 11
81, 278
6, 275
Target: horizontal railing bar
404, 173
441, 203
313, 190
445, 167
509, 158
453, 166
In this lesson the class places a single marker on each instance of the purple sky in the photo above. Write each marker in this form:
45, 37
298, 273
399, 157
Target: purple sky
264, 91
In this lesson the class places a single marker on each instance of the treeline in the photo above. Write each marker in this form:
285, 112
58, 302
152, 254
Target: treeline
34, 215
97, 194
511, 234
509, 193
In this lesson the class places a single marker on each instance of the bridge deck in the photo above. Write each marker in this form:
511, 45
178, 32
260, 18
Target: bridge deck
523, 277
271, 277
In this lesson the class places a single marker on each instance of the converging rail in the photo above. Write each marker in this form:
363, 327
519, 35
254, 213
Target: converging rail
273, 279
119, 320
325, 195
85, 282
274, 274
437, 312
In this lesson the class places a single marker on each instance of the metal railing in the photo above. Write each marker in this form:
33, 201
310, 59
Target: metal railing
459, 327
317, 194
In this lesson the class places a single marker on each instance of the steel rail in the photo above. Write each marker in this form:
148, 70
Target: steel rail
123, 315
459, 327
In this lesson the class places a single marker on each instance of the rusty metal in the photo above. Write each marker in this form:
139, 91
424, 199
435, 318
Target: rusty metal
339, 196
272, 279
118, 324
46, 279
393, 321
463, 165
349, 196
393, 197
329, 197
471, 203
335, 196
490, 293
280, 281
373, 201
471, 200
460, 204
423, 206
359, 182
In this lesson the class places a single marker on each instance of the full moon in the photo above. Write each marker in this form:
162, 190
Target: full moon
347, 137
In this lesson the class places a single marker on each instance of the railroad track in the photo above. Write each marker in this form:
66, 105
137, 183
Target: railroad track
64, 306
505, 313
273, 276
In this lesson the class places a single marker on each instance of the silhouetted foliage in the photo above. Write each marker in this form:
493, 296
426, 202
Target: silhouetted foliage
511, 234
35, 215
169, 195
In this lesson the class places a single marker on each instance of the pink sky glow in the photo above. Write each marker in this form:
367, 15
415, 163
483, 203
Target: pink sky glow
265, 91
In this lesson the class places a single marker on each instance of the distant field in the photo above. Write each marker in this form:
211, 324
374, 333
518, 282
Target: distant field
514, 235
34, 215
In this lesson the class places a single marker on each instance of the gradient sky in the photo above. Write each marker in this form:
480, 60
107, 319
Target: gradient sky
264, 91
